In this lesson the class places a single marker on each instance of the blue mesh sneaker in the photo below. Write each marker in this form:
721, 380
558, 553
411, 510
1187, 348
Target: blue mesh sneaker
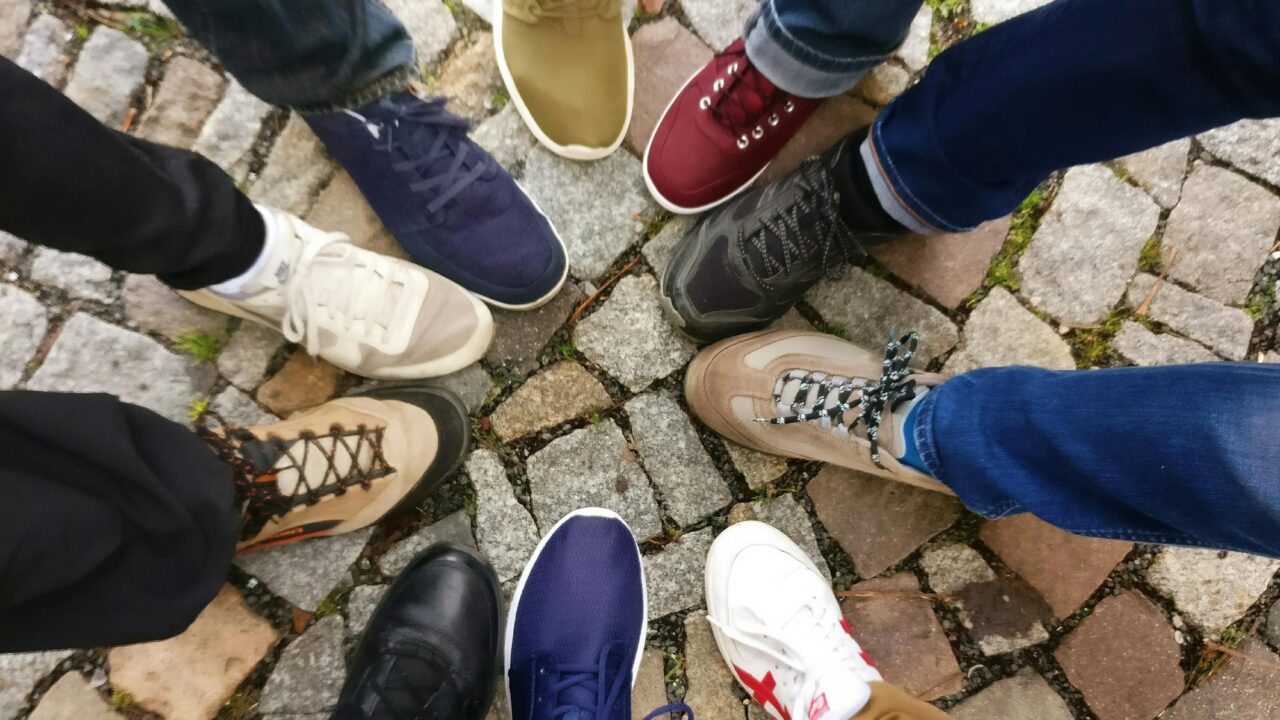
578, 622
446, 201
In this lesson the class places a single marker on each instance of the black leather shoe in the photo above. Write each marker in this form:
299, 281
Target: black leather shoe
431, 649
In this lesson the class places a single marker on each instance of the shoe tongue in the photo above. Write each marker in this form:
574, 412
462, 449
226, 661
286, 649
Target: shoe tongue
751, 98
837, 695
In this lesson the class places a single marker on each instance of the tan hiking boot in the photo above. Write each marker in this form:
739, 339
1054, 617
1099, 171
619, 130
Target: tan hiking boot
341, 466
812, 396
569, 69
369, 314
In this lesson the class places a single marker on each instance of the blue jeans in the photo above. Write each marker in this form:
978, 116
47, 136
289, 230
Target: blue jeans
1184, 455
310, 55
820, 48
1075, 82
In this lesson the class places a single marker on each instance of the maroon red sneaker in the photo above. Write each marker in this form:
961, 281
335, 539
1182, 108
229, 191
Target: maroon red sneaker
720, 132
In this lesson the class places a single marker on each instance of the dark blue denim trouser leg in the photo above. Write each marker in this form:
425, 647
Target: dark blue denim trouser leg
820, 48
312, 55
1075, 82
1186, 455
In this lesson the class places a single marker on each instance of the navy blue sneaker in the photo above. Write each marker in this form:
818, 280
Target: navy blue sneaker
578, 622
446, 201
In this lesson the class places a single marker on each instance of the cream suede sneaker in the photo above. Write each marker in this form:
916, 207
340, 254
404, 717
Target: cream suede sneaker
812, 396
369, 314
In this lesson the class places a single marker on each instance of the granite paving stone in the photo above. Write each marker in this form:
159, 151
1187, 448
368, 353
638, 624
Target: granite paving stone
454, 528
71, 698
360, 606
238, 408
991, 12
596, 207
310, 673
830, 123
883, 83
304, 382
297, 168
1143, 347
80, 276
1003, 613
152, 306
429, 23
1222, 232
1251, 145
1096, 228
675, 459
304, 573
1245, 689
111, 68
506, 138
469, 77
11, 248
1273, 624
13, 18
187, 95
519, 337
471, 384
869, 308
230, 131
658, 251
630, 338
93, 356
914, 51
1124, 658
341, 207
878, 522
21, 335
719, 22
650, 690
1212, 589
505, 532
44, 49
1064, 568
900, 632
672, 574
786, 514
757, 468
608, 476
21, 672
947, 268
710, 686
1160, 170
558, 394
666, 56
247, 355
1225, 329
1001, 332
216, 653
1025, 696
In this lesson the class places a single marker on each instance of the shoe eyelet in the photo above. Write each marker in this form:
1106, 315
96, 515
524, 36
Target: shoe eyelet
790, 106
757, 133
704, 103
733, 68
743, 142
774, 120
718, 85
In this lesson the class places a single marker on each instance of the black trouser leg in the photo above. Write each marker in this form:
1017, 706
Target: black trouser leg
69, 183
116, 525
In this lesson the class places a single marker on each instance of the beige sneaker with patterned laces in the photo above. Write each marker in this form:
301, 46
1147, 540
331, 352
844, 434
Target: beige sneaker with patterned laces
812, 396
341, 466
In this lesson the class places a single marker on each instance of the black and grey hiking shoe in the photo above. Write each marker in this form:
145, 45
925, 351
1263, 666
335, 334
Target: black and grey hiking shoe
744, 265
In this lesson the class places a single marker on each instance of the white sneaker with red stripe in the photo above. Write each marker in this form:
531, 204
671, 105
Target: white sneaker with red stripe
780, 629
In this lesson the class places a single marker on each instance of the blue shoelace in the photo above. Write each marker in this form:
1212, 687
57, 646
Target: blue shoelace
450, 131
595, 680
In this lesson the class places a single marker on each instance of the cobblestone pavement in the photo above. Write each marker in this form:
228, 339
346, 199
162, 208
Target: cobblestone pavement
1166, 256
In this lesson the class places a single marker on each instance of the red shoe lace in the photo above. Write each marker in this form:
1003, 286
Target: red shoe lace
743, 100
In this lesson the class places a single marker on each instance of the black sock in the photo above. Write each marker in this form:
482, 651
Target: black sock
859, 205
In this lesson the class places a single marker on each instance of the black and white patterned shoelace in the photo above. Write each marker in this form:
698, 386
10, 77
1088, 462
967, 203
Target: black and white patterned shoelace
810, 401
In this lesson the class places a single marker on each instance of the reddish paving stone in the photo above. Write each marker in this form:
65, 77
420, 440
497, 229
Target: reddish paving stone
836, 118
1066, 569
1124, 659
1248, 688
303, 382
947, 268
878, 522
666, 55
904, 637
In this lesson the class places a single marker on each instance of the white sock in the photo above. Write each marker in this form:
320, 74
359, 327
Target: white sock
900, 415
270, 241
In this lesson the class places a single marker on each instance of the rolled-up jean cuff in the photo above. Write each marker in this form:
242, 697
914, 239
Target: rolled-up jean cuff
895, 194
793, 67
397, 79
989, 502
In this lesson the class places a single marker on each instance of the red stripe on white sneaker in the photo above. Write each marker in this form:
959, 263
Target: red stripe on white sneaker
762, 690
